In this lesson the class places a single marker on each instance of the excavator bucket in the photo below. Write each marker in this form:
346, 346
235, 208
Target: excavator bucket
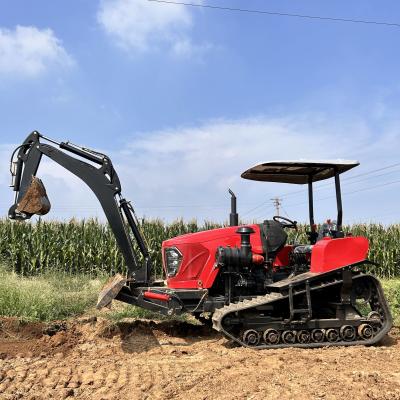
110, 291
35, 200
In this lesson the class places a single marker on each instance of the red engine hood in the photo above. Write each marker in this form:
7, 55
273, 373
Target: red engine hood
198, 251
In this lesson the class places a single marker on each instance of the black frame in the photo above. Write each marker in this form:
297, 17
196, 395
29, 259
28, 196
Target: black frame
103, 181
338, 192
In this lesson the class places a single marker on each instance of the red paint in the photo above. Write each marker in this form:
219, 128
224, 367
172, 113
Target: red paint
198, 268
282, 258
329, 254
198, 250
257, 259
156, 296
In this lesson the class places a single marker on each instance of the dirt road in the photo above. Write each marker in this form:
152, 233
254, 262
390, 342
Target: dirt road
92, 359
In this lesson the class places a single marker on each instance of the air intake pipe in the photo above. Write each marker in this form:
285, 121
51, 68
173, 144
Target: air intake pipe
241, 257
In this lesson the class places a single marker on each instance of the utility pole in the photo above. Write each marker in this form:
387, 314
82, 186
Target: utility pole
277, 203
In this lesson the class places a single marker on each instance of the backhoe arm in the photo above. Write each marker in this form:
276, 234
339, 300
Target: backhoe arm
102, 180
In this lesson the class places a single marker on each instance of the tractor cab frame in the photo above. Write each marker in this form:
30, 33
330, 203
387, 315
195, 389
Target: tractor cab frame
305, 173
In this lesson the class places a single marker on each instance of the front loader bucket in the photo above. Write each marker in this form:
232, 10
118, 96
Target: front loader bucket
110, 291
35, 200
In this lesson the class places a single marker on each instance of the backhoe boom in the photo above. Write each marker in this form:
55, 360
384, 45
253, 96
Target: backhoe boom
102, 180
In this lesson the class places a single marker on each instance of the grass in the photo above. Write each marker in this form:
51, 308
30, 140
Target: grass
58, 296
392, 293
46, 297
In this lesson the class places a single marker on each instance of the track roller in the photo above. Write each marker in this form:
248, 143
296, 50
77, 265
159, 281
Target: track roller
318, 335
374, 316
251, 337
347, 333
289, 337
303, 336
271, 336
365, 331
332, 335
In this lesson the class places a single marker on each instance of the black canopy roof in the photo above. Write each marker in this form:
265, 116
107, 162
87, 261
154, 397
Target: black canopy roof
297, 172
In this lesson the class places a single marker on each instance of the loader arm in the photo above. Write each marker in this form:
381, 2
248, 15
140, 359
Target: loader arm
102, 180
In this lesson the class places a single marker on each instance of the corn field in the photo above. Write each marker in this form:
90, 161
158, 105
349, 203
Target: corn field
89, 246
85, 246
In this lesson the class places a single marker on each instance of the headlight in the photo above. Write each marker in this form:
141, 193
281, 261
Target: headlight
173, 260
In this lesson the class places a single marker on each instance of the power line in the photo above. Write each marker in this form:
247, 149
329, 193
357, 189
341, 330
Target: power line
263, 213
344, 194
350, 178
350, 193
369, 177
325, 186
285, 195
280, 14
347, 193
284, 210
75, 205
255, 208
373, 187
370, 172
72, 206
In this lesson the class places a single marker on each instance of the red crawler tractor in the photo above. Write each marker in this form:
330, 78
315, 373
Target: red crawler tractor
255, 288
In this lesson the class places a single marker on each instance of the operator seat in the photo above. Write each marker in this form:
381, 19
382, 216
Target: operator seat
273, 237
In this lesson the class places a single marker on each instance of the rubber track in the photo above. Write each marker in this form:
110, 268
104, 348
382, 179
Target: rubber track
220, 314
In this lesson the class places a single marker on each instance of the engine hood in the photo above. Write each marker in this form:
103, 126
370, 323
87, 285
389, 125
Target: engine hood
203, 236
198, 254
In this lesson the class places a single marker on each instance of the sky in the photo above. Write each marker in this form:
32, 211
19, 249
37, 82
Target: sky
184, 99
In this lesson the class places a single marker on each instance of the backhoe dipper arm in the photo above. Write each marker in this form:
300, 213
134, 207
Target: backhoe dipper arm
103, 181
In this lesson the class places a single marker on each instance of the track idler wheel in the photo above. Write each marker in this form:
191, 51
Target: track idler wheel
251, 338
289, 337
318, 335
271, 336
365, 331
332, 335
347, 333
303, 336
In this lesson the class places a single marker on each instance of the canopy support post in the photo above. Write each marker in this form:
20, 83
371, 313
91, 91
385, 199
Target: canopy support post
338, 201
310, 201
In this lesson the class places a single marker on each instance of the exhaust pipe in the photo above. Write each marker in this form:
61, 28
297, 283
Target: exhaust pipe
233, 216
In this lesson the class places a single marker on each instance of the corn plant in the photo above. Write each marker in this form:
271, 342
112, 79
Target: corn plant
89, 246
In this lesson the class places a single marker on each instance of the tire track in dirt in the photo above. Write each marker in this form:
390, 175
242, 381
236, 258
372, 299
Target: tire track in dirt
145, 360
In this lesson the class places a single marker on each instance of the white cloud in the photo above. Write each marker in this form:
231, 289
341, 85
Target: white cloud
185, 48
29, 51
141, 25
194, 166
186, 171
218, 150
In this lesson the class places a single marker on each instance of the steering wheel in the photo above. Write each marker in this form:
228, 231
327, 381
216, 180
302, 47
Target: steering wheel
285, 222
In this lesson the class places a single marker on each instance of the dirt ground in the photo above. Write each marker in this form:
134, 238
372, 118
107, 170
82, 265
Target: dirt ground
93, 359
